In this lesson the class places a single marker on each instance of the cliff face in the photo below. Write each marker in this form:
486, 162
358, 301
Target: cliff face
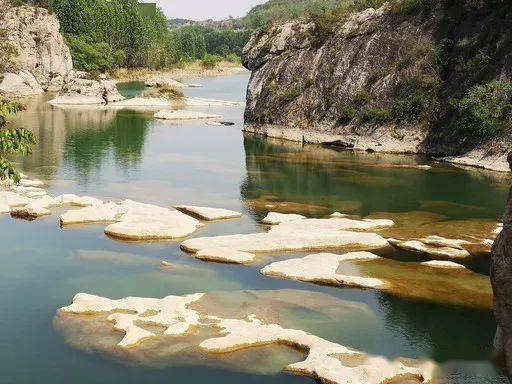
43, 59
383, 79
501, 277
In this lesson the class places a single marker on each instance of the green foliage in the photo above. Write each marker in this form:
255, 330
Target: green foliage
93, 57
348, 114
376, 116
7, 53
486, 110
232, 58
362, 98
324, 19
123, 25
190, 43
415, 99
290, 94
210, 61
12, 140
414, 54
168, 92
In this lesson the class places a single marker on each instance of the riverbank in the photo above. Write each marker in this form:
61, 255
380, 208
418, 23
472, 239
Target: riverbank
195, 69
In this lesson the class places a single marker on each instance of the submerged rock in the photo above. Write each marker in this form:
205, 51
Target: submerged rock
230, 327
434, 247
452, 283
206, 213
298, 235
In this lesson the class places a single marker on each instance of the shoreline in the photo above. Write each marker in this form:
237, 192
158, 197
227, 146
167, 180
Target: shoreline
475, 159
224, 68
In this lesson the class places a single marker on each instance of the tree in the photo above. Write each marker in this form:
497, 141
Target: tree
12, 140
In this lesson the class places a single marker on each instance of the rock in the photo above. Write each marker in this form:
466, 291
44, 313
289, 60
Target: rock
81, 89
454, 285
31, 183
443, 264
143, 102
22, 83
205, 213
43, 56
274, 218
164, 81
501, 278
220, 123
202, 102
171, 312
298, 235
108, 212
225, 255
338, 215
165, 263
328, 361
432, 251
322, 268
184, 115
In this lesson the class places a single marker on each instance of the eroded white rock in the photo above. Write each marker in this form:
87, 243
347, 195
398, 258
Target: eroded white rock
274, 218
432, 251
322, 268
206, 213
225, 255
108, 212
443, 264
184, 115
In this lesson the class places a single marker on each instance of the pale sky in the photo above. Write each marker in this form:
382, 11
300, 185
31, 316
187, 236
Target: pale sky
205, 9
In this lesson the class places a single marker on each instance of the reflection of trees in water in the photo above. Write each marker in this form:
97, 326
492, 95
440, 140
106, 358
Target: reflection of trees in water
444, 332
88, 143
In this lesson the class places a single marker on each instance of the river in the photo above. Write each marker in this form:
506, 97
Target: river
126, 154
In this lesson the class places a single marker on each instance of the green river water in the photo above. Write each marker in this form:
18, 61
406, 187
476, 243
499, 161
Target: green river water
126, 154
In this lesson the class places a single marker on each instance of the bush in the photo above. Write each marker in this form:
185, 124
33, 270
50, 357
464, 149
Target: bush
376, 116
362, 98
232, 58
8, 52
210, 61
348, 114
93, 57
415, 99
486, 111
324, 20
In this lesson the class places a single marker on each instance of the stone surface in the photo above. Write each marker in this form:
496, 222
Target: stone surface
43, 56
322, 268
299, 235
108, 212
443, 264
151, 103
328, 361
206, 213
163, 81
225, 255
274, 218
184, 115
501, 278
431, 249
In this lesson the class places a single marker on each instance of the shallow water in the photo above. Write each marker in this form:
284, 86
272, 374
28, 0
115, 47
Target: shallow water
126, 154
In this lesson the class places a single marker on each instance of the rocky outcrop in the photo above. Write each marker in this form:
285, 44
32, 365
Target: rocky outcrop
80, 88
501, 277
382, 80
43, 58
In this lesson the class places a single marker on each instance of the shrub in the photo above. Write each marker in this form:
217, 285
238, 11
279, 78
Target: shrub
362, 98
290, 94
376, 116
7, 53
232, 58
415, 98
486, 111
210, 61
348, 114
324, 20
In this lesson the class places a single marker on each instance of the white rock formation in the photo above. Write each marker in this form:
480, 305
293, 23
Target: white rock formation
432, 250
43, 57
108, 212
443, 264
184, 115
170, 312
322, 268
164, 81
151, 103
274, 218
225, 255
330, 362
206, 213
298, 235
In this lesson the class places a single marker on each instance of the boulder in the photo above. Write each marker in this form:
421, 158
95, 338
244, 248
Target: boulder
501, 278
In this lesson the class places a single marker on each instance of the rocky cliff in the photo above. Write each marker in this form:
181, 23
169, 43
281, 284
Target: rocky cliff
42, 58
501, 277
395, 79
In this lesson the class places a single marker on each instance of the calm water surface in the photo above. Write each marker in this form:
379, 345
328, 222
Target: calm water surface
126, 154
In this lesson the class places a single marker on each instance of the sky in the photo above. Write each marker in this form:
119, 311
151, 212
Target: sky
205, 9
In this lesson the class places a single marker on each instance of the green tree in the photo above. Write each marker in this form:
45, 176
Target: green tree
12, 140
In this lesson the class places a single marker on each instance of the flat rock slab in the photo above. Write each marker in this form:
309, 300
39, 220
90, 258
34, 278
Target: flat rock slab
225, 255
274, 218
451, 283
77, 100
142, 102
205, 213
184, 115
298, 235
177, 315
433, 248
